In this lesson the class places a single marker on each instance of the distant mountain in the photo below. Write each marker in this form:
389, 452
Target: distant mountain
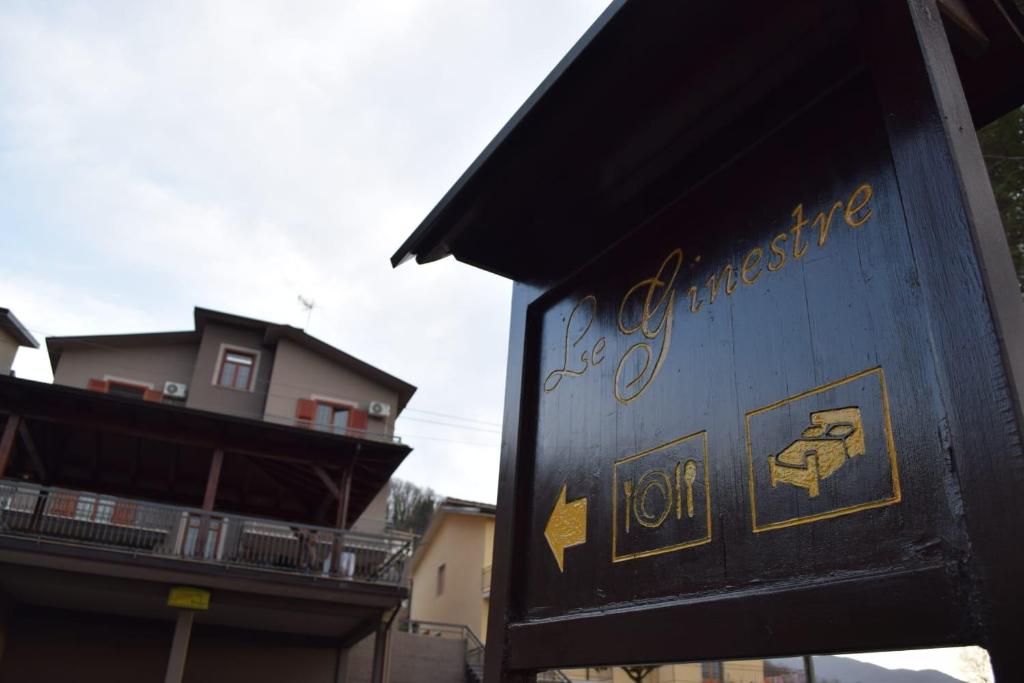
846, 670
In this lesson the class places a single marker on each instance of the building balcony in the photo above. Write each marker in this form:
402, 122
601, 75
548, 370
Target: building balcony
136, 529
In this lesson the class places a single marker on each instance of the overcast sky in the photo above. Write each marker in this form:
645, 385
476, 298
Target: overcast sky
157, 156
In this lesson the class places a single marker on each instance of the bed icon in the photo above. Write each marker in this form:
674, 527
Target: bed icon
834, 437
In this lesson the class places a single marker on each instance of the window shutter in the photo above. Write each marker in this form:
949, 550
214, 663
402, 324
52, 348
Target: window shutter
124, 514
152, 395
305, 410
358, 419
99, 385
63, 504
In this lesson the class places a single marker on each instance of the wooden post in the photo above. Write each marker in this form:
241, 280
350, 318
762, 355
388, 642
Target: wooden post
341, 519
7, 441
213, 478
809, 669
381, 645
179, 646
341, 665
209, 497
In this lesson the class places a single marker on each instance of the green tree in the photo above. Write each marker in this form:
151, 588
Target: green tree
410, 507
1002, 143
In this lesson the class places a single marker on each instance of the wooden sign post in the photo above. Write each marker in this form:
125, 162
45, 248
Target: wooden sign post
766, 339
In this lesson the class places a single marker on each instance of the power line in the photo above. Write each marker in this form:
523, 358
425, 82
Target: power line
455, 417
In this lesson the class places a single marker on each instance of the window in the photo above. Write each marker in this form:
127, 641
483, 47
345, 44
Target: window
202, 536
331, 417
236, 370
440, 580
90, 509
711, 672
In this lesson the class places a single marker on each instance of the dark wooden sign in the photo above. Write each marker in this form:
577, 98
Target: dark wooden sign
768, 405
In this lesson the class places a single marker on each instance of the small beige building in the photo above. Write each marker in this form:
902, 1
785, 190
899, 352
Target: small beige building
451, 569
13, 335
747, 671
451, 586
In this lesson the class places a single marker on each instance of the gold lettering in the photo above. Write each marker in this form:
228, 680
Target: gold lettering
694, 303
554, 378
778, 251
750, 263
855, 206
798, 216
662, 286
715, 281
824, 221
598, 351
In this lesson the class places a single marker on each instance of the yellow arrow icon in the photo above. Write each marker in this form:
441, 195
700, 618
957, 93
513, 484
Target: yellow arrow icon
566, 527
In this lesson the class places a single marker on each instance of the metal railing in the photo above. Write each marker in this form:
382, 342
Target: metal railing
193, 535
293, 421
485, 581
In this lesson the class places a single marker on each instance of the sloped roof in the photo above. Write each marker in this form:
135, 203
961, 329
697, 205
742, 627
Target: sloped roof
272, 333
12, 326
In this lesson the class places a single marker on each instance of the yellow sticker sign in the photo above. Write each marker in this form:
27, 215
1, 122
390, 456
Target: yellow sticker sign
189, 598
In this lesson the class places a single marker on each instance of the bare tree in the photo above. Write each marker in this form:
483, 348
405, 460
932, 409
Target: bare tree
410, 506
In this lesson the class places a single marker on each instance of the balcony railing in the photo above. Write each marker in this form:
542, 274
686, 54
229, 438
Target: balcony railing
193, 535
293, 421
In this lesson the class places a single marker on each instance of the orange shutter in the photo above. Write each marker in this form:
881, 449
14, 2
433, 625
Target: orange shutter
124, 514
63, 504
358, 419
305, 410
152, 395
100, 385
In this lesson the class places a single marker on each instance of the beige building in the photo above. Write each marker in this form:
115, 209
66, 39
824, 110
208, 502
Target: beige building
13, 335
748, 671
451, 577
451, 569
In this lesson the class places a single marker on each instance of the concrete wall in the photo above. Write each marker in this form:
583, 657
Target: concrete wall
300, 373
459, 545
150, 365
56, 645
8, 349
203, 390
414, 659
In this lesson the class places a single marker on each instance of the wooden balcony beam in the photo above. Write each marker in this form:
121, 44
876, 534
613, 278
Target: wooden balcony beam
7, 441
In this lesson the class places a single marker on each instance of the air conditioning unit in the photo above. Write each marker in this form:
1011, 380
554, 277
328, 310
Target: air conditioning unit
175, 389
379, 409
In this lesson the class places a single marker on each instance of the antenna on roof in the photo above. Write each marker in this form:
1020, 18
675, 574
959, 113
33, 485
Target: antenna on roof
308, 305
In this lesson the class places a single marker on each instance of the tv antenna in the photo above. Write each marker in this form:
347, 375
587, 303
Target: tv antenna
308, 305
